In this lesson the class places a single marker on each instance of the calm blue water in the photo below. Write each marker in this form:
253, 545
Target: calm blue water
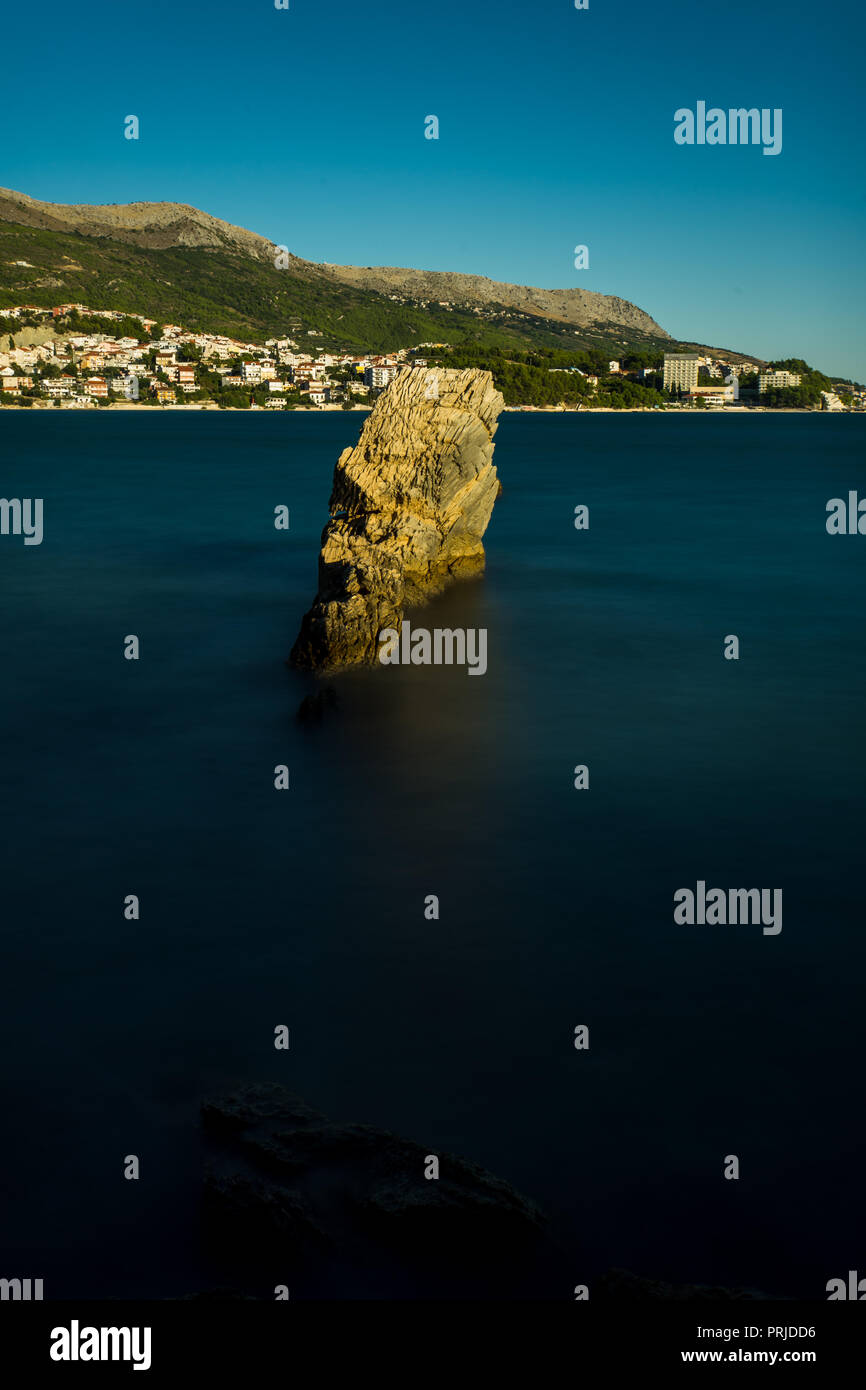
306, 908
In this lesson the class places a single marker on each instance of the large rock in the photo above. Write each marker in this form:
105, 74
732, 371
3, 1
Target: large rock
409, 506
348, 1211
287, 1189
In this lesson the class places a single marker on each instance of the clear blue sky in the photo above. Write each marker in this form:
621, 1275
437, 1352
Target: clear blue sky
556, 128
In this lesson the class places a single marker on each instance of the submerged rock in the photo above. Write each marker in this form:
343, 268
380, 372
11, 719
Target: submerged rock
287, 1187
347, 1211
313, 708
409, 506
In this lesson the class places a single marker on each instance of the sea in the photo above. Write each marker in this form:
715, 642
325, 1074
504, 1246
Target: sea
454, 1026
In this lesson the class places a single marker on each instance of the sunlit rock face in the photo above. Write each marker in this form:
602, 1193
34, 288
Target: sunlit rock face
409, 506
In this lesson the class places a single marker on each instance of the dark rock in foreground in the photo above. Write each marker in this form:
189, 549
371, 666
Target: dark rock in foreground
288, 1190
339, 1211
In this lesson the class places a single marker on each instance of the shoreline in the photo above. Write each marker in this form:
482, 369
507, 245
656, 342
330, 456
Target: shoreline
42, 408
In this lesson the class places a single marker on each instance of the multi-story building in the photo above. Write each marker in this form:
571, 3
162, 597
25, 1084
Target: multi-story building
379, 377
714, 395
65, 386
680, 372
768, 381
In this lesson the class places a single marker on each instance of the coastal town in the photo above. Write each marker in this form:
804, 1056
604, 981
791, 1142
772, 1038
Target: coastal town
143, 362
73, 356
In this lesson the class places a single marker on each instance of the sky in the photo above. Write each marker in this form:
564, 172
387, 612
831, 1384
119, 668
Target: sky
556, 129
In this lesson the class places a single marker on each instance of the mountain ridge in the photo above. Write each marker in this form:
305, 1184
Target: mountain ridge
162, 226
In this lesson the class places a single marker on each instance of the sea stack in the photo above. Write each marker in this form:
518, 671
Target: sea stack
409, 506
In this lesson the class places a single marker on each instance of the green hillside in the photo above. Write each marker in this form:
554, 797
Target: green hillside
219, 291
